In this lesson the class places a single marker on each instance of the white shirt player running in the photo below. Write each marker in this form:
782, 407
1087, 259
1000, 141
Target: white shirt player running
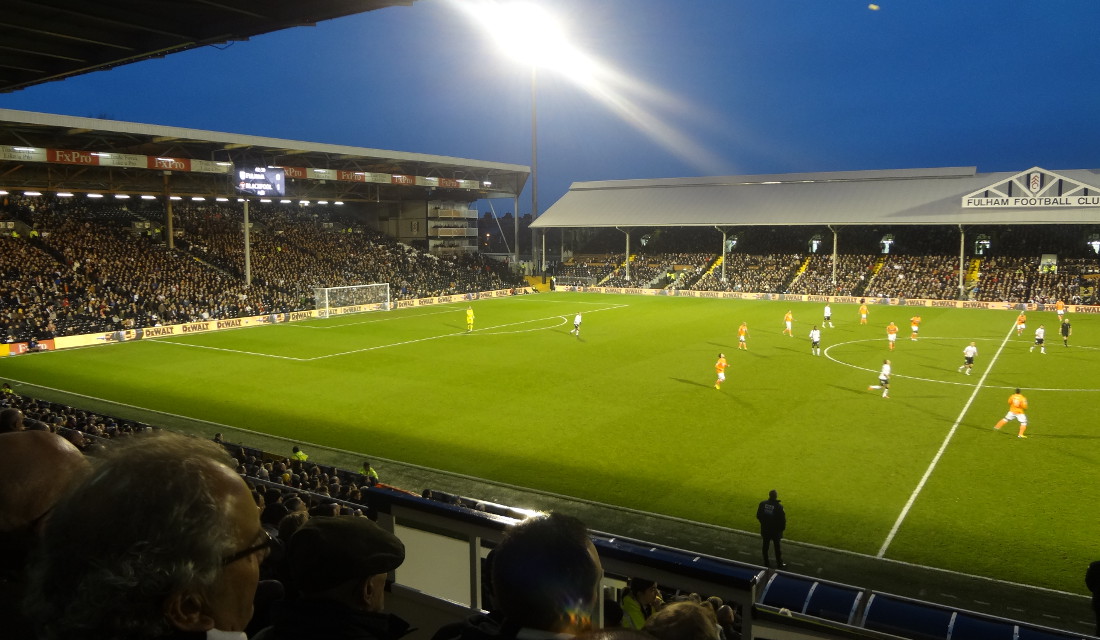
576, 325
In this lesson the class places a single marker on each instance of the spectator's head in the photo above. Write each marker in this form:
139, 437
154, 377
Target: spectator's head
683, 621
773, 495
162, 537
546, 575
45, 465
345, 559
11, 420
644, 591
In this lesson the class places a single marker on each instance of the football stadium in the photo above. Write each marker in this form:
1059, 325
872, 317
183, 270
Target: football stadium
909, 359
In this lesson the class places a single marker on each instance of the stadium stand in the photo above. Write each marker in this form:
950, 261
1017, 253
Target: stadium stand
87, 269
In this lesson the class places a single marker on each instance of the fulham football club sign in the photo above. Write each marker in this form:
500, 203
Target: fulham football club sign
1034, 188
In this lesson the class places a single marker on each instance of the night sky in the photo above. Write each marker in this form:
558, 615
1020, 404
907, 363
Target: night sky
694, 88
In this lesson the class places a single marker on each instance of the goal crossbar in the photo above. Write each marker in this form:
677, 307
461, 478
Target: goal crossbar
330, 301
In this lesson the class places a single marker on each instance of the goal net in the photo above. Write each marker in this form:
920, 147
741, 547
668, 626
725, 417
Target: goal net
353, 299
574, 281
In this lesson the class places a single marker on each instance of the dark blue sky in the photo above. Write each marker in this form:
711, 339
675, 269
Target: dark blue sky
770, 86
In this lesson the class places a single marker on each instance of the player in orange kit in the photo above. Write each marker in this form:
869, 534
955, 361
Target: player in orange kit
914, 326
788, 320
742, 336
1017, 405
892, 334
1021, 324
720, 368
862, 312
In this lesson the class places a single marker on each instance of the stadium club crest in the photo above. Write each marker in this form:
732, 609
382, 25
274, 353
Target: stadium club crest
1034, 188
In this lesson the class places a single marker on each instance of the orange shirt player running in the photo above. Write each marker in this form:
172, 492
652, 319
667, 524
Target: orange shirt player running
787, 320
1017, 408
720, 368
891, 334
914, 327
1021, 324
742, 336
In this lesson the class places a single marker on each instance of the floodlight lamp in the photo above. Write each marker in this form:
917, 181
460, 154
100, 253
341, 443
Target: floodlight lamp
64, 194
526, 31
175, 198
95, 195
148, 197
32, 193
121, 196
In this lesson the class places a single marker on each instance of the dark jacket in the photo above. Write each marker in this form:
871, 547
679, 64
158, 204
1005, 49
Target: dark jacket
310, 619
772, 518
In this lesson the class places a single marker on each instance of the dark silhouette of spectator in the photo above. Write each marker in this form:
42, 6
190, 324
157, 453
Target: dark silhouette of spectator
338, 568
11, 420
1092, 581
161, 540
773, 521
546, 577
39, 468
683, 621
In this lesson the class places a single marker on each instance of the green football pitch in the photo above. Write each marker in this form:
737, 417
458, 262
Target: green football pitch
627, 413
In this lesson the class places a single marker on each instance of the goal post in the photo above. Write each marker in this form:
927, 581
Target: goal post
574, 281
331, 301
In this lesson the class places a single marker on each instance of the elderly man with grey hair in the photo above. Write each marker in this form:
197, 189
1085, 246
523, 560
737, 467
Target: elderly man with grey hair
161, 540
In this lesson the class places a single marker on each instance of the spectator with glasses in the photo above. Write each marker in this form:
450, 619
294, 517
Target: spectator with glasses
161, 540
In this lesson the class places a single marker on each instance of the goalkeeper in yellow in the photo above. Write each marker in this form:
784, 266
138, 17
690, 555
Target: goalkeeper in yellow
469, 319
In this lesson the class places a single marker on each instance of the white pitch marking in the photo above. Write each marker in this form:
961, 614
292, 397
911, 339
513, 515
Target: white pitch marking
486, 330
204, 346
943, 447
300, 325
918, 378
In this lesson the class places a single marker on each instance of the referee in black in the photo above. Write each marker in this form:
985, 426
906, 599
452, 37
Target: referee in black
1067, 331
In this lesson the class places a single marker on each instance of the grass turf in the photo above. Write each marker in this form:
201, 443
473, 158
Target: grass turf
627, 414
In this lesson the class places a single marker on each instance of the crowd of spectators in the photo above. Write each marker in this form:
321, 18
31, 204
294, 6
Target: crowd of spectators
756, 273
86, 267
818, 276
929, 277
315, 536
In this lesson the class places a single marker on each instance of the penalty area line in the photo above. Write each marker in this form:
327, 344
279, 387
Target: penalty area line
943, 447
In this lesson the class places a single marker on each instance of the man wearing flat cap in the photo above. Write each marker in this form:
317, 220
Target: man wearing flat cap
337, 568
